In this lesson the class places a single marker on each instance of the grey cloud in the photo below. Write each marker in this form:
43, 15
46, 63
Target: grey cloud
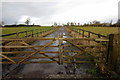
58, 10
12, 11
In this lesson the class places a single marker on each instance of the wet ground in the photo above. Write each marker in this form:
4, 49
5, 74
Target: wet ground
38, 69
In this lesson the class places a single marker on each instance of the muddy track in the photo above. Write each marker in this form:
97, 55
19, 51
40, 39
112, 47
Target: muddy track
38, 69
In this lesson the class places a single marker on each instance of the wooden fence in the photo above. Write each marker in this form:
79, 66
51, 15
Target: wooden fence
109, 57
113, 58
88, 33
25, 34
62, 58
113, 47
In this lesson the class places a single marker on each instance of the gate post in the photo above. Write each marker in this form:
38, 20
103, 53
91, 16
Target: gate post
113, 56
60, 54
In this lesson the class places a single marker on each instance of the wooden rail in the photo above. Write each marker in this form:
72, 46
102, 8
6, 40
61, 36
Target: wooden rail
24, 45
102, 55
29, 33
112, 58
113, 55
82, 32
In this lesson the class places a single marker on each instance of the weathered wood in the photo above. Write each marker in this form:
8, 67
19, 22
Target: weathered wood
102, 40
113, 56
28, 62
17, 35
79, 31
82, 49
89, 35
37, 33
8, 58
72, 51
28, 52
60, 56
36, 51
26, 33
36, 38
83, 33
83, 57
31, 57
60, 49
26, 46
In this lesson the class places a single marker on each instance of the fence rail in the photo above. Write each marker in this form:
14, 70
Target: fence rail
105, 55
36, 49
113, 45
82, 32
28, 33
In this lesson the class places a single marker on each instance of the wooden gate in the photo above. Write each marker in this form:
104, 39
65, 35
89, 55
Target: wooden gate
112, 52
19, 51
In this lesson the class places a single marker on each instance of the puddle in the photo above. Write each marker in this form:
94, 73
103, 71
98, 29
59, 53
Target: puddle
64, 42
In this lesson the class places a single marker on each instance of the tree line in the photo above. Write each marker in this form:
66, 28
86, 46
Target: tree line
95, 23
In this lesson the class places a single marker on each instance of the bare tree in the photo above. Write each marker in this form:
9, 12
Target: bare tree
27, 22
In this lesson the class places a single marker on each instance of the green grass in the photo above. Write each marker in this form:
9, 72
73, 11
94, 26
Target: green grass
101, 30
8, 30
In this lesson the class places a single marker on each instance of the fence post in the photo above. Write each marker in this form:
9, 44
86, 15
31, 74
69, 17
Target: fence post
79, 32
83, 33
88, 34
60, 49
99, 36
32, 33
37, 33
26, 34
89, 37
17, 35
113, 56
41, 31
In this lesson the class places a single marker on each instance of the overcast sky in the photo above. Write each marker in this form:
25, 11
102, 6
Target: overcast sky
46, 12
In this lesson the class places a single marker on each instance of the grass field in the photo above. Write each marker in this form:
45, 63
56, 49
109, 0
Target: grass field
6, 30
101, 30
